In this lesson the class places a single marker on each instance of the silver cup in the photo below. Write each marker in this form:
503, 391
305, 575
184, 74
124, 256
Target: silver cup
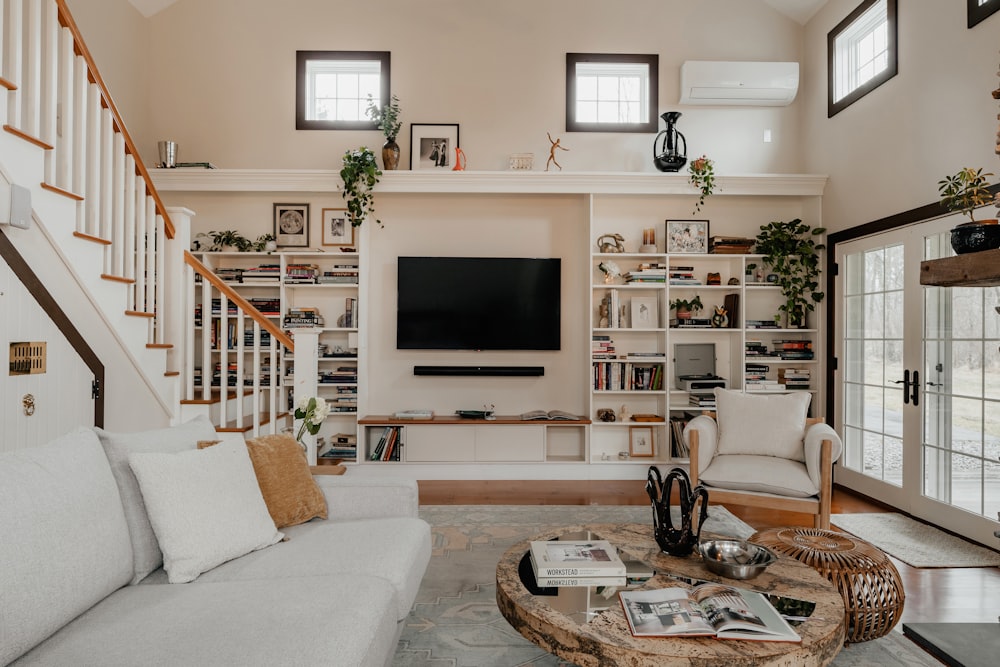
168, 154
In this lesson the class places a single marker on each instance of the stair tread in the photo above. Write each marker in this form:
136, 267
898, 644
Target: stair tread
139, 313
117, 279
214, 399
160, 346
27, 137
91, 238
8, 84
233, 427
61, 191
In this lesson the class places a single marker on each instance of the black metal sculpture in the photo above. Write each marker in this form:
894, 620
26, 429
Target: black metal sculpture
676, 541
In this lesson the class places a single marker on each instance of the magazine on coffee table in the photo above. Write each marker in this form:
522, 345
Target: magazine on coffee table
706, 610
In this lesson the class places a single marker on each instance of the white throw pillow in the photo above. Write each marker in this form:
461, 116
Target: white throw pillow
764, 425
205, 507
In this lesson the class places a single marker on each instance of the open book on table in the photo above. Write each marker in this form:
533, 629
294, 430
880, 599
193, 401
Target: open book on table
708, 609
554, 415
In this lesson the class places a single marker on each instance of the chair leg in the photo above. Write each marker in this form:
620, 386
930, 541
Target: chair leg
822, 520
693, 456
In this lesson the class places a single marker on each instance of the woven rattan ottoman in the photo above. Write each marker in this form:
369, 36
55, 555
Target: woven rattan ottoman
864, 575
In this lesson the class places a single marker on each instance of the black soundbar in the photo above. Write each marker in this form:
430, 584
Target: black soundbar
494, 371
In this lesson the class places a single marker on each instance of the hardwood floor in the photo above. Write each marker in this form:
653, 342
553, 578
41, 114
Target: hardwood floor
932, 595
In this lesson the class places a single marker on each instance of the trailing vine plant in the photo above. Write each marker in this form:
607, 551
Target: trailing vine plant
702, 172
360, 174
791, 250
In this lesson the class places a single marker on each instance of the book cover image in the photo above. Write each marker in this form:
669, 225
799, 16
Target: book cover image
575, 558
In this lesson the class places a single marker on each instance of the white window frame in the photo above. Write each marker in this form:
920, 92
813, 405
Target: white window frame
312, 64
848, 81
626, 115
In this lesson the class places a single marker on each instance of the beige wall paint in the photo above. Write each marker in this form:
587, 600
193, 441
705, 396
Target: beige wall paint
886, 152
224, 77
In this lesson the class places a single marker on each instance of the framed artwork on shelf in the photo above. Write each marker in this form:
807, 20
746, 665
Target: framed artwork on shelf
337, 229
640, 441
291, 225
687, 237
432, 145
645, 313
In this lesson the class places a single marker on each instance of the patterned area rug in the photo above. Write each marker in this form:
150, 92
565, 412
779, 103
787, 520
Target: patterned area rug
455, 621
915, 543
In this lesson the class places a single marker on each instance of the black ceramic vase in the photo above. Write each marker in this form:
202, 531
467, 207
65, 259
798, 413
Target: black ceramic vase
683, 540
670, 147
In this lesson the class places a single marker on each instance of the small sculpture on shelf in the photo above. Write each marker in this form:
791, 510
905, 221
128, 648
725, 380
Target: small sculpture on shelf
611, 243
610, 269
606, 414
720, 320
552, 152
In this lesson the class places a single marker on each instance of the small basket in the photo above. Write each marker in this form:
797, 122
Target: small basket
521, 161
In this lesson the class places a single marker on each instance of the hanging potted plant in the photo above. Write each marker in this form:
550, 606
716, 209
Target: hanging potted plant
686, 307
964, 192
360, 174
791, 250
387, 120
702, 177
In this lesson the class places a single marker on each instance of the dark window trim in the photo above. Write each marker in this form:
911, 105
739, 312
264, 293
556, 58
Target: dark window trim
979, 12
653, 61
833, 108
302, 57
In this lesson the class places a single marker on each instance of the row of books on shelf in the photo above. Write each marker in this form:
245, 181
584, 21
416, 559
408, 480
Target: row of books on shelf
388, 446
311, 274
232, 336
627, 376
350, 317
615, 311
339, 375
679, 447
730, 245
781, 349
788, 378
647, 272
342, 446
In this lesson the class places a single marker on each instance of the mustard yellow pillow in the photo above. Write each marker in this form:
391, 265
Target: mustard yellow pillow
290, 492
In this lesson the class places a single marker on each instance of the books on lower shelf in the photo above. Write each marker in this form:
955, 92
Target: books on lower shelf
551, 415
575, 559
705, 610
388, 446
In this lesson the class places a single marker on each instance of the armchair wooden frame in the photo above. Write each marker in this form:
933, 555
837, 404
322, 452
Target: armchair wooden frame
819, 507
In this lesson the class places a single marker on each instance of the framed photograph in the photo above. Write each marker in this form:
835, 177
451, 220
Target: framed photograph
291, 225
337, 229
640, 440
687, 237
645, 312
432, 145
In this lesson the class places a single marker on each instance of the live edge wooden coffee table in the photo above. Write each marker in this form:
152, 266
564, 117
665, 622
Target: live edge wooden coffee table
584, 627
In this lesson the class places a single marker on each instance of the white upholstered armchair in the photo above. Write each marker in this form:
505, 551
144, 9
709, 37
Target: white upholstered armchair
762, 451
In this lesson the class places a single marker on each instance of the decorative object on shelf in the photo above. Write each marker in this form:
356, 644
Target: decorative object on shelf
640, 441
291, 225
610, 269
685, 307
645, 314
790, 249
688, 237
676, 541
460, 160
336, 230
360, 174
733, 281
623, 414
521, 161
964, 192
387, 119
432, 144
648, 241
168, 154
673, 153
265, 243
702, 177
720, 320
606, 414
312, 411
975, 236
552, 152
713, 278
611, 243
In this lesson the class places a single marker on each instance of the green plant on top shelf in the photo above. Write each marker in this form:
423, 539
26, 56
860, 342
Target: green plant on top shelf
386, 117
360, 174
965, 191
229, 239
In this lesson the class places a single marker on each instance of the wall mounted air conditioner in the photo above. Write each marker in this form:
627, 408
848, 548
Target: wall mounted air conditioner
713, 83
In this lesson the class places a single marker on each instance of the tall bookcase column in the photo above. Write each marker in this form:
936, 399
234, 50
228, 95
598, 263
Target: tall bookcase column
304, 379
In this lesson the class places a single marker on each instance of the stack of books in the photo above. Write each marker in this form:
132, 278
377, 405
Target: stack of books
702, 399
602, 347
794, 349
730, 245
795, 378
763, 385
762, 324
755, 348
576, 563
756, 371
302, 317
683, 275
341, 273
647, 273
265, 274
267, 305
230, 275
342, 446
301, 274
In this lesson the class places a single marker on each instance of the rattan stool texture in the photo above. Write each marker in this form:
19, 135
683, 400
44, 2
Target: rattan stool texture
864, 575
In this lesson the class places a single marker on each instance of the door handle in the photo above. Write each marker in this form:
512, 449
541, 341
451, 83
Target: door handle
915, 396
906, 386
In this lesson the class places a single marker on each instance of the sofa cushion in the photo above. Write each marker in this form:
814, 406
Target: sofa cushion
145, 549
205, 507
766, 474
316, 620
765, 425
64, 543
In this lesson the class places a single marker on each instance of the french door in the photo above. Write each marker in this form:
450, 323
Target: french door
917, 384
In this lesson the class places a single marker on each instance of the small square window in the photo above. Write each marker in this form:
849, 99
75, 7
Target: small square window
611, 92
861, 52
332, 88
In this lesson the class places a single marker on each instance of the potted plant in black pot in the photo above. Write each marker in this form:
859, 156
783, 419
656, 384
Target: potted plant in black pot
360, 174
964, 192
791, 250
387, 120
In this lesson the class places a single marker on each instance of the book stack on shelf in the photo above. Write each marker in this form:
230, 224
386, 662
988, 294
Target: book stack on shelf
217, 307
301, 274
341, 274
270, 306
755, 348
265, 274
342, 446
702, 398
302, 317
388, 445
762, 324
730, 245
754, 371
794, 378
228, 275
350, 317
794, 349
342, 375
691, 323
603, 347
346, 399
576, 563
647, 272
626, 376
679, 444
763, 385
683, 275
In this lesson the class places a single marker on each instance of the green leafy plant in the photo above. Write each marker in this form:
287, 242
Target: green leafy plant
229, 237
702, 172
360, 174
965, 191
791, 250
386, 117
687, 306
260, 245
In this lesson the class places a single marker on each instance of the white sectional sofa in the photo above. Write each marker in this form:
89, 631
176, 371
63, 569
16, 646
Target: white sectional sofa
335, 592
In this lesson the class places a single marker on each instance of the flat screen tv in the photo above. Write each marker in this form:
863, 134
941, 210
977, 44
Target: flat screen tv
478, 303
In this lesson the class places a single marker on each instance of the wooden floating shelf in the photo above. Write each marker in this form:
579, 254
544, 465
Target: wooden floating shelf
974, 269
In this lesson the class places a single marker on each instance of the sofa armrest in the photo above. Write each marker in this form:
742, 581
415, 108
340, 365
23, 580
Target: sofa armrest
708, 439
349, 498
815, 436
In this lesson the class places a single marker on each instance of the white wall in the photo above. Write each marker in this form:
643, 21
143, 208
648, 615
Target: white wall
221, 77
885, 153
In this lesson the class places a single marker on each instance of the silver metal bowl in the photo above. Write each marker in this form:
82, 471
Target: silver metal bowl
736, 559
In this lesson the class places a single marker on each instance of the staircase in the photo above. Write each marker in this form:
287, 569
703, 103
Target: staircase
98, 223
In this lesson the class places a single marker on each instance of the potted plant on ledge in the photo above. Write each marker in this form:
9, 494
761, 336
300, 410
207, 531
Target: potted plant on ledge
360, 174
702, 177
964, 192
387, 120
686, 307
791, 250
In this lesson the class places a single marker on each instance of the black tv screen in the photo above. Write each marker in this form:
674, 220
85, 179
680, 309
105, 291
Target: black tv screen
478, 303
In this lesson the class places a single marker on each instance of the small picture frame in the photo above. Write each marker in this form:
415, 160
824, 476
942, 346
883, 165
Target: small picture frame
687, 237
640, 441
645, 312
337, 228
291, 225
432, 145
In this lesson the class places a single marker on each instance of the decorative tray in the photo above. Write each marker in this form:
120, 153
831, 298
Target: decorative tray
647, 418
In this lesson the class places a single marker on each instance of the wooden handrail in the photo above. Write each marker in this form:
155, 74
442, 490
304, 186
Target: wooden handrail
66, 20
241, 303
